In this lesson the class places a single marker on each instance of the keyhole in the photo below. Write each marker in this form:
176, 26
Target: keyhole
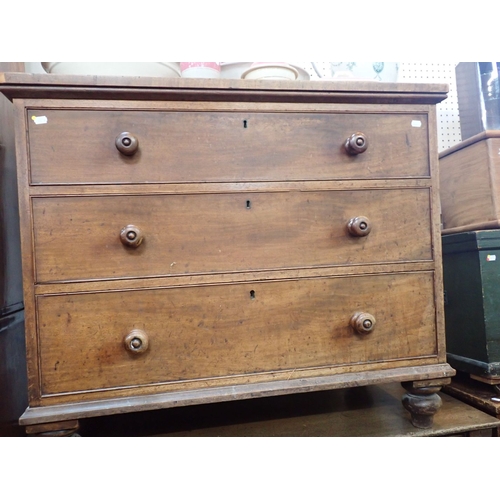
126, 141
249, 204
131, 235
245, 124
252, 294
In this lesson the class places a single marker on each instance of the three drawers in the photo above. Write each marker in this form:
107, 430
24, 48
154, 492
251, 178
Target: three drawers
252, 196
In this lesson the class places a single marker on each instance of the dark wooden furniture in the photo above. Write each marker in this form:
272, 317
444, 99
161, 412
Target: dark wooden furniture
476, 393
198, 241
470, 185
370, 411
13, 383
471, 263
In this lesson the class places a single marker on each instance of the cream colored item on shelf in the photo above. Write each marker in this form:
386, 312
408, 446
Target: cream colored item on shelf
161, 69
270, 71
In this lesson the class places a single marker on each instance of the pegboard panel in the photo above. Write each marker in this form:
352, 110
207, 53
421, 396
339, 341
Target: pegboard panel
448, 118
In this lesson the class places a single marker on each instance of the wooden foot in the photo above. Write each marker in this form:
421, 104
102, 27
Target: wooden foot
54, 429
422, 401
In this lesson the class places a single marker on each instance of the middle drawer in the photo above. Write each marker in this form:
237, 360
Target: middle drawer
108, 237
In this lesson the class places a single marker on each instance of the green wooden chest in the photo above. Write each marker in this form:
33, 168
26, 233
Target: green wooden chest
471, 264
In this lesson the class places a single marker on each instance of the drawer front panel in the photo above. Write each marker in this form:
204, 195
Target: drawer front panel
221, 330
78, 238
78, 146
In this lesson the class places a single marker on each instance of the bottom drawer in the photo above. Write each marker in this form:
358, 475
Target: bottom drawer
206, 332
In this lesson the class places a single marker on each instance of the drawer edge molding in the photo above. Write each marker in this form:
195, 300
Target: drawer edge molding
240, 277
148, 189
70, 411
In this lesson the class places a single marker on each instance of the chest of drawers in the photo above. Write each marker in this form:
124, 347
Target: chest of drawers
187, 242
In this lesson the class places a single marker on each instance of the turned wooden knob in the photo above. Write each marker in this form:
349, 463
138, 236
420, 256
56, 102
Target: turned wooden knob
356, 144
363, 322
131, 236
127, 144
136, 341
359, 226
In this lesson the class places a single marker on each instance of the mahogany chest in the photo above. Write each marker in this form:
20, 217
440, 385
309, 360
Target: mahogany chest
470, 185
195, 241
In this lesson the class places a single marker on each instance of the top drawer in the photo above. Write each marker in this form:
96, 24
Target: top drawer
78, 146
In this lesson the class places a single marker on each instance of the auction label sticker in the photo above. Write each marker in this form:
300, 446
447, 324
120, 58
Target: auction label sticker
39, 120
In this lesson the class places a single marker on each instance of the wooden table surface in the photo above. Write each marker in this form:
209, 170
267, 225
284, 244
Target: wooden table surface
373, 411
475, 393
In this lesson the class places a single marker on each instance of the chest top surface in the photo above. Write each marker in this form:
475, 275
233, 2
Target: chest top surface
25, 85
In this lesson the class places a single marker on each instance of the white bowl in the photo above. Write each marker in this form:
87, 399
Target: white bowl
163, 69
200, 70
235, 70
270, 71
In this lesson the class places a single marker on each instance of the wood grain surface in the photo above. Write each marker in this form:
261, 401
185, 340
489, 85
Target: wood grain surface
78, 238
250, 263
470, 187
200, 146
197, 333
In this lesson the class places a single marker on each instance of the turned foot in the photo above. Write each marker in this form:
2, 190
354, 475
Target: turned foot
54, 429
423, 402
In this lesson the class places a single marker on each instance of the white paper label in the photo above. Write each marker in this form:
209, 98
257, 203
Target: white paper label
416, 123
39, 120
491, 258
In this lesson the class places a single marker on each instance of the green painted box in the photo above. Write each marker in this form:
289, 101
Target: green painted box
471, 265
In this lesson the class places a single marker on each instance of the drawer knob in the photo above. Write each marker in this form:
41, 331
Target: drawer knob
136, 341
363, 322
356, 144
127, 144
359, 226
131, 236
